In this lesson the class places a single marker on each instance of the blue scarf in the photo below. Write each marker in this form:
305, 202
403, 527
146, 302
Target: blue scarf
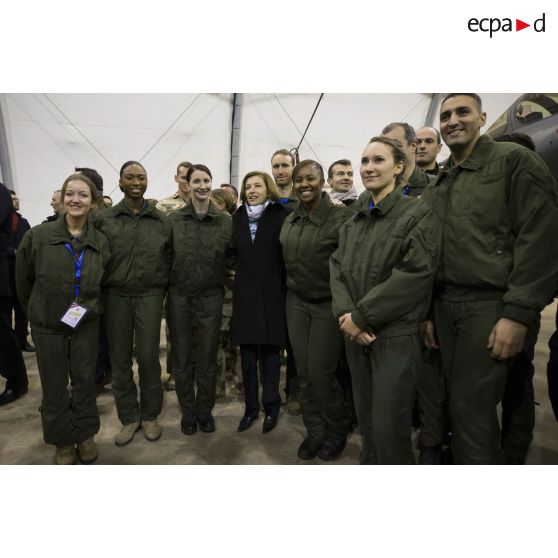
254, 213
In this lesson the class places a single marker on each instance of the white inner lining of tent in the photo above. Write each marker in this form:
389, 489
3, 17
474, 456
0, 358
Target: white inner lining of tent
49, 134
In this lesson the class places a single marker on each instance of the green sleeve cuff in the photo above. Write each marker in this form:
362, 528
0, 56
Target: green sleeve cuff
525, 316
359, 320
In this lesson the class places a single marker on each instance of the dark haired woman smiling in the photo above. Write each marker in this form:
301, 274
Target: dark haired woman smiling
308, 237
202, 250
141, 241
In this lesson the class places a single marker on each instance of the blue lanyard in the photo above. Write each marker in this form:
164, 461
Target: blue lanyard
372, 204
78, 261
284, 200
406, 190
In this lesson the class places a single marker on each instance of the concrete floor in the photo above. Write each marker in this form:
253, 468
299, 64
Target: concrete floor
21, 435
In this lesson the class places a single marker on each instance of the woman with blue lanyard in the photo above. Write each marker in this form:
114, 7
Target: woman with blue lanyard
59, 267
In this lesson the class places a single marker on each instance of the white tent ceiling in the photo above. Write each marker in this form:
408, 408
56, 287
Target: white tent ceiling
50, 134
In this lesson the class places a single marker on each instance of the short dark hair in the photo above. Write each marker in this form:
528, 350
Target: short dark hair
93, 175
519, 138
409, 131
396, 150
438, 136
305, 163
185, 164
344, 162
129, 163
285, 152
473, 96
199, 167
12, 192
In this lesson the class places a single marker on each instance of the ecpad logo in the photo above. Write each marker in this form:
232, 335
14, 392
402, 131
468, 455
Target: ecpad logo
494, 24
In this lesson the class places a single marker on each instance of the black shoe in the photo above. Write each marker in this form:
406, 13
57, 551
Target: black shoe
246, 422
11, 395
207, 423
332, 449
270, 422
28, 348
188, 425
309, 448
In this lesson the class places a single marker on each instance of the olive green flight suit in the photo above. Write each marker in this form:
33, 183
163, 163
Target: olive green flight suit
45, 277
202, 261
382, 274
133, 291
418, 181
308, 240
499, 210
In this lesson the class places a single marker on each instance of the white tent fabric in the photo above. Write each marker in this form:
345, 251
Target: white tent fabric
50, 134
339, 130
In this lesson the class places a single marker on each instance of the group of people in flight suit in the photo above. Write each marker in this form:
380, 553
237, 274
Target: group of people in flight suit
429, 285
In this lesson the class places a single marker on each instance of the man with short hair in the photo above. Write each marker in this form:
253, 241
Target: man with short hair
340, 180
429, 145
498, 205
282, 165
414, 179
177, 201
56, 204
180, 198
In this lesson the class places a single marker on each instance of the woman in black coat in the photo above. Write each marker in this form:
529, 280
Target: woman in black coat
259, 322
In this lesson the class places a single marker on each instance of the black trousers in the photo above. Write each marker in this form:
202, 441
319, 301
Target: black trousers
12, 366
270, 361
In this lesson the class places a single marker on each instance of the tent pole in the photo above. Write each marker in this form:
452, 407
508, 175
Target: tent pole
238, 100
5, 165
432, 110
